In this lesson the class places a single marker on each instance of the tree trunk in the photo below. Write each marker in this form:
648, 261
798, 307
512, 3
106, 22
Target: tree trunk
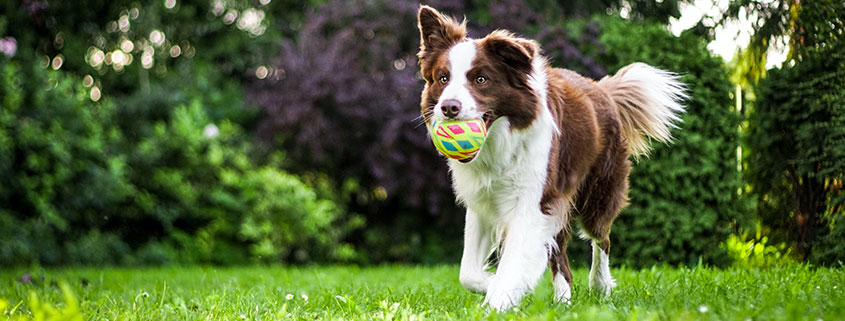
809, 208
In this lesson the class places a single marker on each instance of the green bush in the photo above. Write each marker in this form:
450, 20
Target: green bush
59, 178
80, 189
186, 173
829, 248
796, 152
684, 197
756, 251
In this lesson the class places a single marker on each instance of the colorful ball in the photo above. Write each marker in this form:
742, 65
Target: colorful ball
458, 139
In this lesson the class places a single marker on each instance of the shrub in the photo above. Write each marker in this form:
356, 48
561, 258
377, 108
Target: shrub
78, 190
684, 197
59, 178
796, 152
756, 251
199, 191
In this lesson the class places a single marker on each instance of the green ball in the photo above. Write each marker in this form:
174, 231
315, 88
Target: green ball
459, 139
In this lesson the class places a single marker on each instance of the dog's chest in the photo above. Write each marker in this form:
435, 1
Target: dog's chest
483, 190
509, 175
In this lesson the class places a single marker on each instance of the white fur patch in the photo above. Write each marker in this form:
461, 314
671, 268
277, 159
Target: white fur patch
563, 292
649, 103
600, 278
538, 80
664, 94
477, 248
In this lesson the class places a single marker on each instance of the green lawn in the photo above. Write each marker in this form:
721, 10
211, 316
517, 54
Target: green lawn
417, 293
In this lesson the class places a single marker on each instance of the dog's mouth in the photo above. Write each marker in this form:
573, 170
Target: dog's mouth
488, 118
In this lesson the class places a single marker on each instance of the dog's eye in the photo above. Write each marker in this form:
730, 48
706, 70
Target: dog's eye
444, 79
480, 79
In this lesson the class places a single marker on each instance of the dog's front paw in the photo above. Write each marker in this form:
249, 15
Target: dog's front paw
476, 282
500, 295
563, 291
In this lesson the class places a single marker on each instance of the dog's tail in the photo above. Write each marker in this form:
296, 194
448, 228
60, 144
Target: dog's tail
648, 101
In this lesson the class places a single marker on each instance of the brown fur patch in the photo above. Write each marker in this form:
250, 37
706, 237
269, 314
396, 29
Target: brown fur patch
505, 61
438, 33
588, 164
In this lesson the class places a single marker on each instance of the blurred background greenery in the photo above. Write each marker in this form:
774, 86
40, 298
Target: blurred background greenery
255, 131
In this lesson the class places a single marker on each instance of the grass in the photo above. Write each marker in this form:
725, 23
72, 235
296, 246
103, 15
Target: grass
413, 293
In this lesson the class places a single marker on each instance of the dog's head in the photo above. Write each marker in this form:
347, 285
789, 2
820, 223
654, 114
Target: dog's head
465, 78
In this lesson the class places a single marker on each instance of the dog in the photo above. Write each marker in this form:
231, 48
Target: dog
556, 152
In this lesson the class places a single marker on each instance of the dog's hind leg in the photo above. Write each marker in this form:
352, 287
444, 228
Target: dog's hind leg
602, 198
600, 278
477, 248
595, 222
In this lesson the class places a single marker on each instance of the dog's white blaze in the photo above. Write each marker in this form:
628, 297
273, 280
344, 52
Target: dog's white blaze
504, 186
600, 278
460, 56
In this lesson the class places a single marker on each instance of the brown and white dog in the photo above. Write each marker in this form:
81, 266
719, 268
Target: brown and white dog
557, 151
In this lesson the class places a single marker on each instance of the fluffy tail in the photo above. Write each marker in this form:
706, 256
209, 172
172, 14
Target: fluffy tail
648, 101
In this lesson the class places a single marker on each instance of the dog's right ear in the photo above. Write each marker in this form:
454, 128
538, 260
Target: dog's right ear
438, 31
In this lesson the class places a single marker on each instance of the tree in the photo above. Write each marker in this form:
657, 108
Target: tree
793, 23
796, 140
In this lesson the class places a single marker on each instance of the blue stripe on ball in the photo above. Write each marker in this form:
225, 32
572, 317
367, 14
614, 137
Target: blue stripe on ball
449, 146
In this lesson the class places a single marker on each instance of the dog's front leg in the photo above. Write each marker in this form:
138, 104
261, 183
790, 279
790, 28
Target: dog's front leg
477, 247
528, 238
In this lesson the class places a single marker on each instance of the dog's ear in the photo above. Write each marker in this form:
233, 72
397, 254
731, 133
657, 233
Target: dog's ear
514, 52
438, 31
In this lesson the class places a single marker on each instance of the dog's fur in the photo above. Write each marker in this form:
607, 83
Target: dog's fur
557, 151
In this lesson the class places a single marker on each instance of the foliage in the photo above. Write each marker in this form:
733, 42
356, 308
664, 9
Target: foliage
119, 171
649, 10
57, 175
756, 251
343, 96
792, 292
829, 248
77, 190
792, 24
125, 45
45, 311
684, 197
796, 150
652, 11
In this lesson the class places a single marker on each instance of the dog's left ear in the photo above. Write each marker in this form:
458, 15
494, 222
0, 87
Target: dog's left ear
438, 31
514, 52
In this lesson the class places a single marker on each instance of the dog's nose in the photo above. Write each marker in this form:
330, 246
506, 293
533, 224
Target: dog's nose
450, 108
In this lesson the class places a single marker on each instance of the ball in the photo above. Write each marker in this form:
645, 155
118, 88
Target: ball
458, 139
